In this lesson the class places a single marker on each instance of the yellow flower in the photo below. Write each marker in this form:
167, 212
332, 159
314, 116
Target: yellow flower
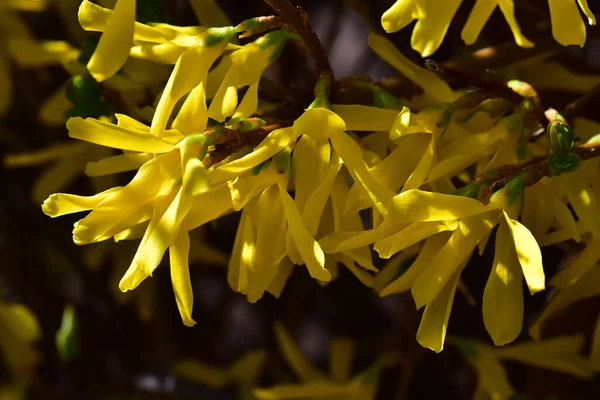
337, 384
433, 21
19, 330
243, 373
558, 354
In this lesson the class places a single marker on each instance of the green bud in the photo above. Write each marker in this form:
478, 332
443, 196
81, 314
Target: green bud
515, 189
523, 88
561, 137
471, 190
559, 163
67, 338
217, 36
384, 99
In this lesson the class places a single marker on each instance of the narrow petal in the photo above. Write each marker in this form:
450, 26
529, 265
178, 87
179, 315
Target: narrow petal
449, 259
416, 205
434, 323
583, 201
274, 143
582, 289
33, 53
341, 357
417, 178
414, 233
508, 9
503, 294
578, 267
62, 203
529, 254
567, 26
113, 48
154, 179
431, 83
432, 246
116, 164
193, 115
365, 118
399, 15
52, 112
586, 10
481, 12
429, 32
110, 135
312, 390
209, 13
290, 351
6, 88
180, 276
309, 249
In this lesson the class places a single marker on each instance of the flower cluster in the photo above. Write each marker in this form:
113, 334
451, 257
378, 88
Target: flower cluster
205, 153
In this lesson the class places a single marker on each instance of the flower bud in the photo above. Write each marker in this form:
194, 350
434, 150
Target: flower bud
560, 136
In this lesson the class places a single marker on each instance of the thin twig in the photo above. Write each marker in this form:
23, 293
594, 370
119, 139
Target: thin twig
297, 18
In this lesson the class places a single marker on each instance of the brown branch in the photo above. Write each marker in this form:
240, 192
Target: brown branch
233, 140
534, 170
297, 18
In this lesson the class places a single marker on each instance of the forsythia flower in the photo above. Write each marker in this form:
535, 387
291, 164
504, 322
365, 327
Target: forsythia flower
558, 354
19, 330
317, 384
433, 20
243, 373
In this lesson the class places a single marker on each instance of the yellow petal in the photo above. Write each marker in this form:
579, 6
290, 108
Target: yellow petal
209, 13
154, 179
52, 112
192, 116
583, 201
432, 246
414, 233
508, 9
6, 88
577, 268
417, 178
208, 206
113, 48
20, 322
567, 26
493, 379
310, 163
584, 288
241, 255
116, 164
416, 205
156, 241
434, 323
25, 5
290, 351
190, 70
271, 145
312, 390
431, 83
195, 371
481, 12
309, 249
448, 260
401, 124
366, 118
341, 356
503, 294
316, 202
180, 276
399, 15
529, 254
586, 10
106, 134
62, 203
30, 53
284, 270
430, 30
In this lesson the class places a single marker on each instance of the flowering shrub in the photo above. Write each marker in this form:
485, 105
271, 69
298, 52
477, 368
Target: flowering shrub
405, 186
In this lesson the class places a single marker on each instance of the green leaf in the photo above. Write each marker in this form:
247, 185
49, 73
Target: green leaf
67, 340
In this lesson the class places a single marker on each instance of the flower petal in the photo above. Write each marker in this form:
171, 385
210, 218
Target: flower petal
180, 276
503, 294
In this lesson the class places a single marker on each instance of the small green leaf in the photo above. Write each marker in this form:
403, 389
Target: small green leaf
67, 340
